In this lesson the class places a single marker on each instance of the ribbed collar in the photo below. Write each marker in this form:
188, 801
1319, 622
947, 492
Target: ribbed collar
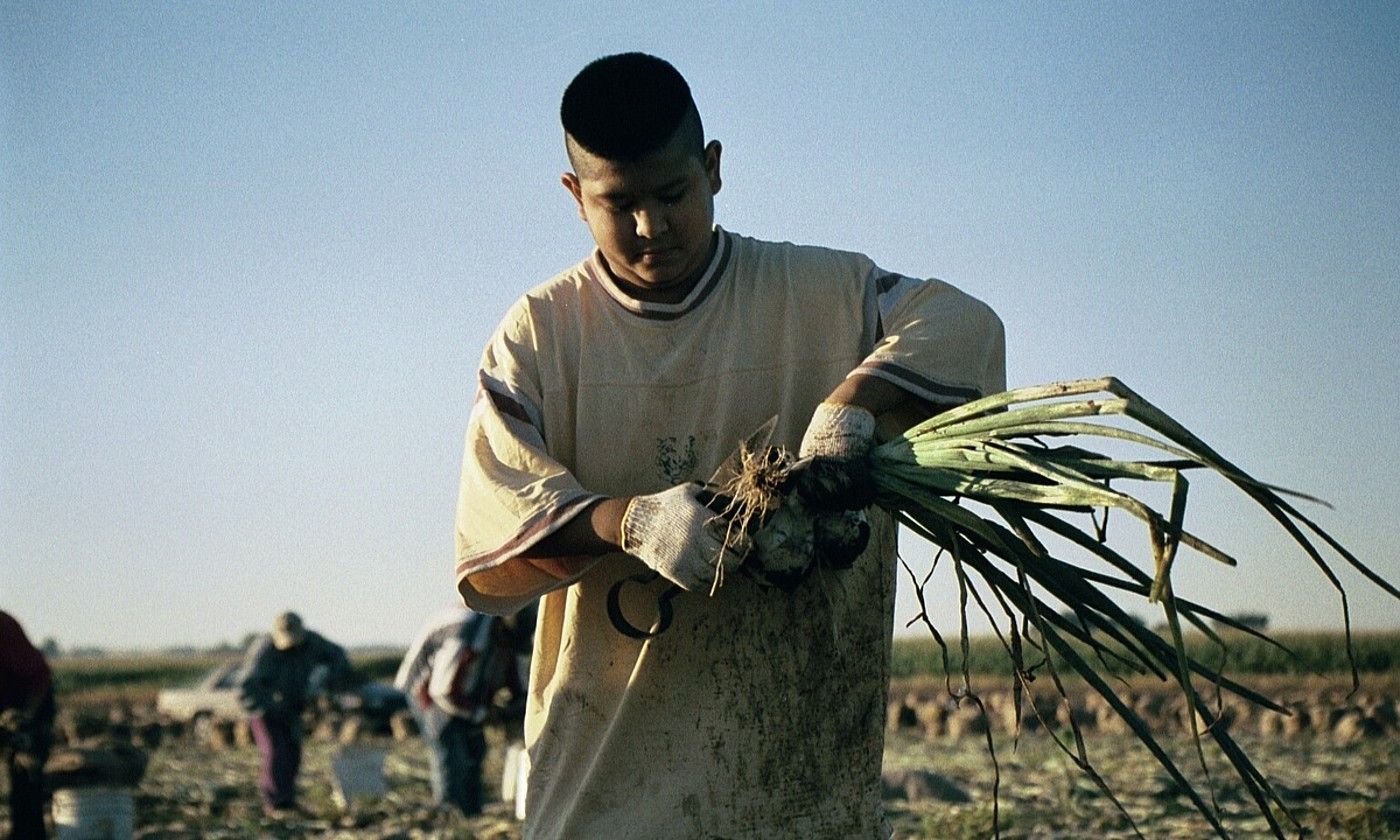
598, 270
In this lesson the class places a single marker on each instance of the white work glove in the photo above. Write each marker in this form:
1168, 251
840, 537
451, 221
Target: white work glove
675, 534
833, 471
837, 430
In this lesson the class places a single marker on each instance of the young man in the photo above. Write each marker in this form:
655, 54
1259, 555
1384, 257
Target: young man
273, 686
604, 397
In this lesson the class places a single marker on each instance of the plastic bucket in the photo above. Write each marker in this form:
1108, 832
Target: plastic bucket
357, 770
93, 813
514, 778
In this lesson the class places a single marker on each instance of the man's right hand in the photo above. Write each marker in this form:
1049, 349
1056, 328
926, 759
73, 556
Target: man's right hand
674, 533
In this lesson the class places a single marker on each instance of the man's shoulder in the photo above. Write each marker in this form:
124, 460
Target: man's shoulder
446, 621
447, 616
769, 252
259, 652
568, 283
535, 308
321, 643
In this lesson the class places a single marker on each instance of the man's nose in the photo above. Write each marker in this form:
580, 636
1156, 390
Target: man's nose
651, 222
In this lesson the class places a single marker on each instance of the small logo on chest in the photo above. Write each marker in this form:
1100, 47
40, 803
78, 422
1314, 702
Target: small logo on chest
676, 462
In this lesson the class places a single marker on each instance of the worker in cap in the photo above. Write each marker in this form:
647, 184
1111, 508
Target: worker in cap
281, 670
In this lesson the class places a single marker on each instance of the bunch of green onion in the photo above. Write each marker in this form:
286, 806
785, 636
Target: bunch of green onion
998, 453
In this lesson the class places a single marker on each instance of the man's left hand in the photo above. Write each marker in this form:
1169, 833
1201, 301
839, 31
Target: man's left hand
833, 471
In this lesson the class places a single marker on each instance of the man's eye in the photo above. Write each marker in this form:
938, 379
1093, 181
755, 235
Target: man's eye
673, 198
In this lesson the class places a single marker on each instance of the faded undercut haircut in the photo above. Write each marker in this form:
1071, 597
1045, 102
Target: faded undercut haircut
624, 107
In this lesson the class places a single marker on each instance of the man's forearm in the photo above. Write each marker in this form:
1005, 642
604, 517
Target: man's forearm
895, 409
597, 530
561, 556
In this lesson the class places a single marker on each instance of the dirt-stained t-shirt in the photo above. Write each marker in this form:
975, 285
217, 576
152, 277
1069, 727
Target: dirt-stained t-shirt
758, 713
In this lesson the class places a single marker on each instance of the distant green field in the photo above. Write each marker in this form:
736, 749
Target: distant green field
139, 676
129, 671
1315, 653
144, 674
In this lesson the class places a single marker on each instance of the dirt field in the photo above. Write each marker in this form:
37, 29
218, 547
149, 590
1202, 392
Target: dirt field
939, 785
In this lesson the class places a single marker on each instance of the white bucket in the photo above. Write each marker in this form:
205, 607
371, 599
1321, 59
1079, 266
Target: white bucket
93, 813
357, 770
514, 778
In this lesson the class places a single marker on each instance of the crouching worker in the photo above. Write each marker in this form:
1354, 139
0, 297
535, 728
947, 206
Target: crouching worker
461, 673
281, 670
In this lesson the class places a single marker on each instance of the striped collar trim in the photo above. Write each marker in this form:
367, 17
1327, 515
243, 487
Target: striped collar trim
598, 270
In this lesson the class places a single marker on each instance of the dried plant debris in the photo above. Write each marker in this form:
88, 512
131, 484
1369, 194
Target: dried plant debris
936, 779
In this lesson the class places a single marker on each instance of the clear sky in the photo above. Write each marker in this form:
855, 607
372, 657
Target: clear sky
251, 253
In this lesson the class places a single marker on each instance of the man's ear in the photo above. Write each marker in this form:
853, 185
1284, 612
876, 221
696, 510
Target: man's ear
570, 182
712, 153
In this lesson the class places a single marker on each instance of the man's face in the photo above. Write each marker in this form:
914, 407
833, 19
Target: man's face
652, 219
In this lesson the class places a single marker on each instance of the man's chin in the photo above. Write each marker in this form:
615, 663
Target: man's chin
658, 282
656, 279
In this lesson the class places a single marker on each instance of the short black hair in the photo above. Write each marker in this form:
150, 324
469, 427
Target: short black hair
624, 107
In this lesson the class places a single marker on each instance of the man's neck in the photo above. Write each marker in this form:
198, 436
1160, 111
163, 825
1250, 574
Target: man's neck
673, 293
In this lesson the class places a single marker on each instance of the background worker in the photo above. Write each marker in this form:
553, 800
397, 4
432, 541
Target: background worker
604, 397
26, 726
454, 674
280, 671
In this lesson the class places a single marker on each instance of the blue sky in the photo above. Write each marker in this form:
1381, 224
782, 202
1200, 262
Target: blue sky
250, 254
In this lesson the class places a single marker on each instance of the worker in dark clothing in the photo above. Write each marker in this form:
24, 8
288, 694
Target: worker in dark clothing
26, 726
275, 682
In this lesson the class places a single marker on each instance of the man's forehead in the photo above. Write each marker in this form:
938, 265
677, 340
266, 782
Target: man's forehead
669, 167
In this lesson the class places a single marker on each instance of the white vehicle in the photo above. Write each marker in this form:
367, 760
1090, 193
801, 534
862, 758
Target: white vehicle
214, 696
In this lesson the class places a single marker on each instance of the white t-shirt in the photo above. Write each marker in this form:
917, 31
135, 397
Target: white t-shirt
758, 713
